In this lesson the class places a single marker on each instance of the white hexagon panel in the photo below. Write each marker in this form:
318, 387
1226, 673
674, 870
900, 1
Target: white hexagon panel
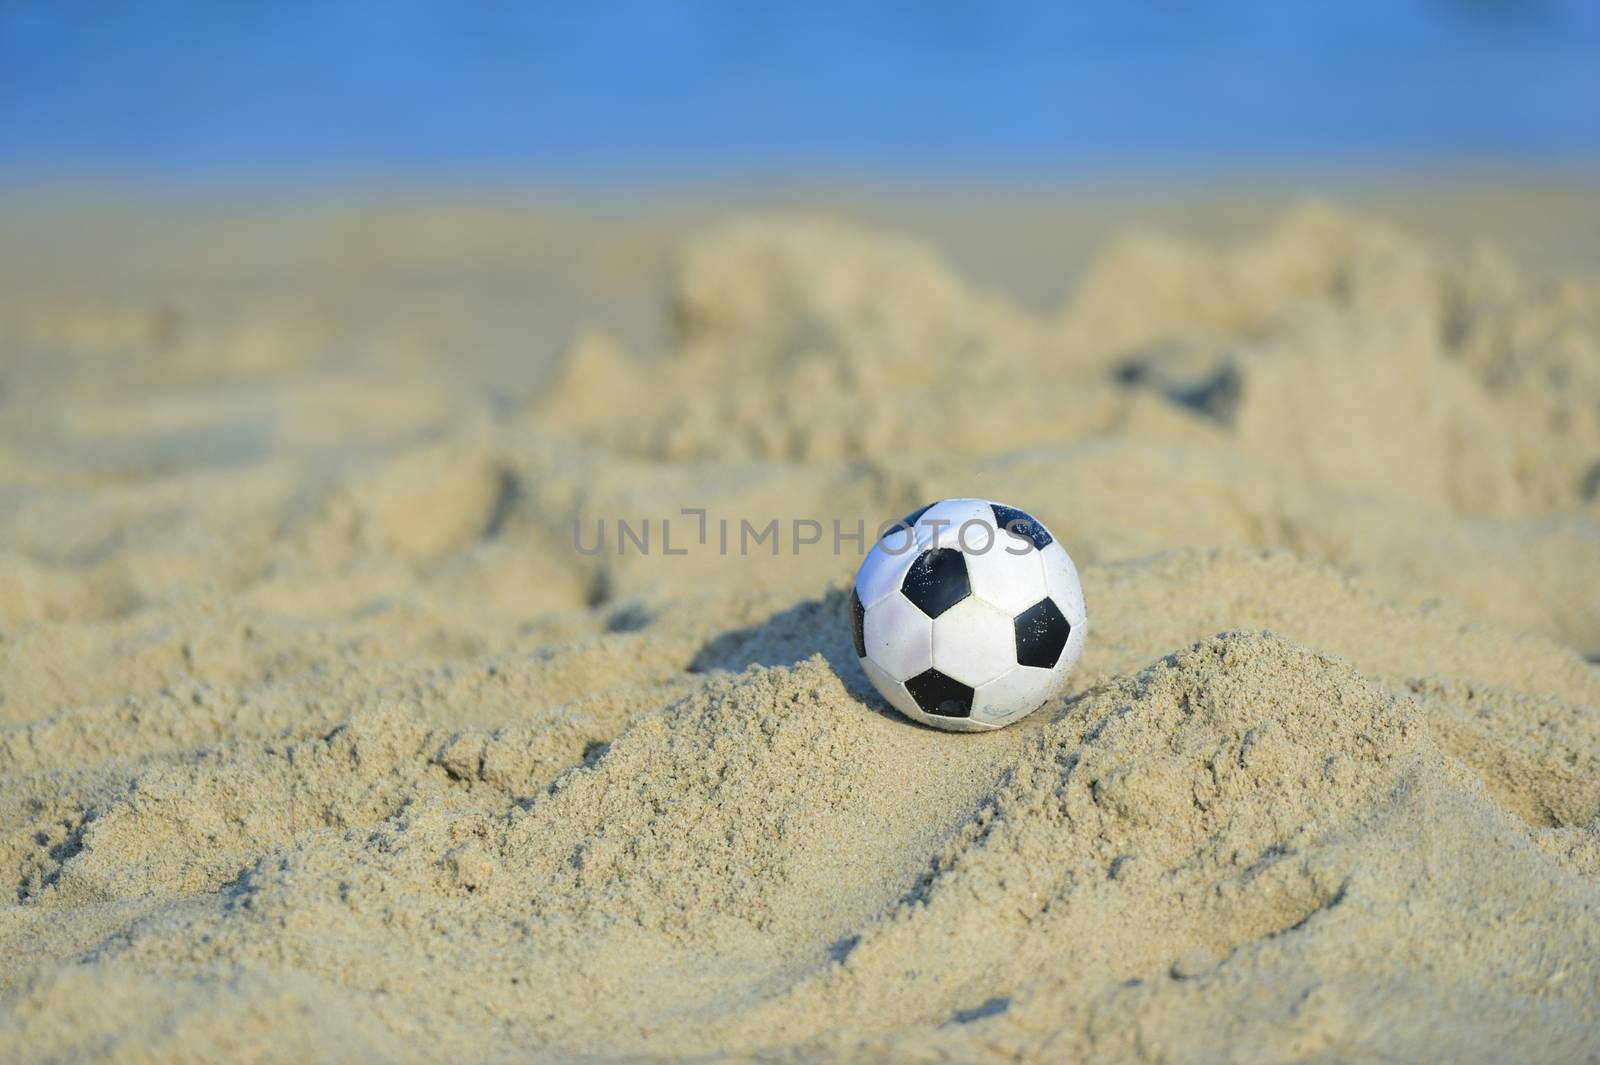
1013, 694
882, 571
941, 524
1007, 575
898, 637
1066, 591
974, 642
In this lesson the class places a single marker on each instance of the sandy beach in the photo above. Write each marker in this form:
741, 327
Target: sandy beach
322, 737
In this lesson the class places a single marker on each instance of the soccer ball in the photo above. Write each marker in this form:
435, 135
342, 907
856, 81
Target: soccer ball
968, 615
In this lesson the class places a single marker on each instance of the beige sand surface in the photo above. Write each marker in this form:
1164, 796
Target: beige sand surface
320, 741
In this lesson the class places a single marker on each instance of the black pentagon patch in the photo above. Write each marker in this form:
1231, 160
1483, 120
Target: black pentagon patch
1042, 632
939, 695
858, 622
937, 581
1022, 524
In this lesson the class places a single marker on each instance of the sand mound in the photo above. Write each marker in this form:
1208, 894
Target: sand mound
321, 739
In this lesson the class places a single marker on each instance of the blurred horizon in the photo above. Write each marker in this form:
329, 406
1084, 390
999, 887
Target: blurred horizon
184, 91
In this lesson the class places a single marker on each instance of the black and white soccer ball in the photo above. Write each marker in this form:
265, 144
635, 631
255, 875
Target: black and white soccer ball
968, 615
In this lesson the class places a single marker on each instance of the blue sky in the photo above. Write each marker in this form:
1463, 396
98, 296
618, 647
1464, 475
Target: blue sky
562, 90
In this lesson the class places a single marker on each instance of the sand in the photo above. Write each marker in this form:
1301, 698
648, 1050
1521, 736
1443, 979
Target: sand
321, 741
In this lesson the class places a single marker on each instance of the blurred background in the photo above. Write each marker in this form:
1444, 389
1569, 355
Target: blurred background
537, 165
196, 91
